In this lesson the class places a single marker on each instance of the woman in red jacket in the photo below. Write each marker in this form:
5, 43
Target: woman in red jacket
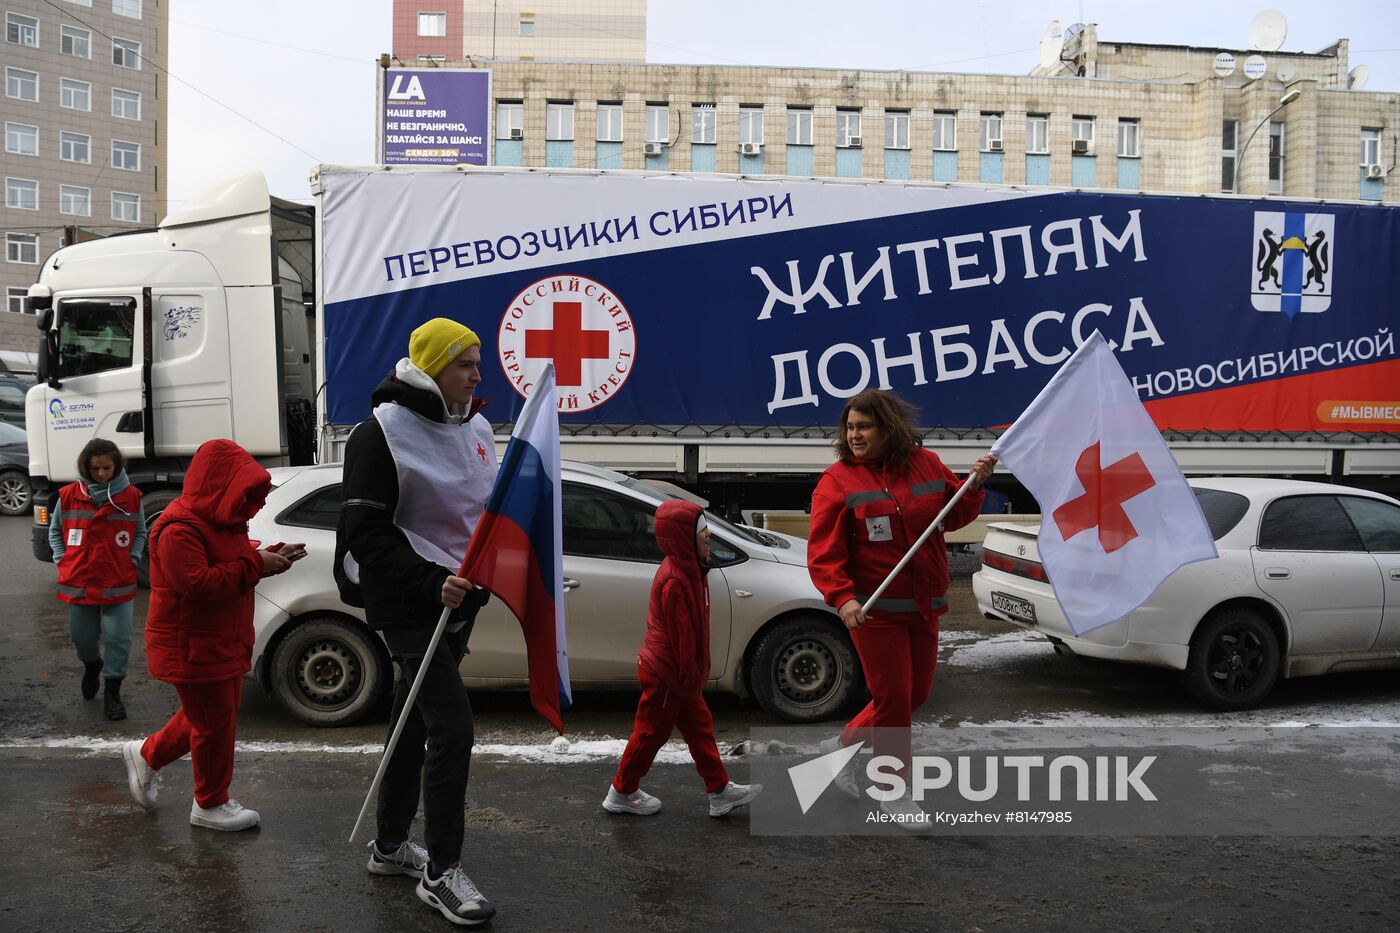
867, 511
199, 627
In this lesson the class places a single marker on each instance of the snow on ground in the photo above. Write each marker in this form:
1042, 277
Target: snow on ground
975, 651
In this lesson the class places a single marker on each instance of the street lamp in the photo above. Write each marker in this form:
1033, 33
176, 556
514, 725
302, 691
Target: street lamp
1284, 101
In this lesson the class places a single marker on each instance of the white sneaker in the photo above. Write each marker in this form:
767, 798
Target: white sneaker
845, 779
907, 815
733, 795
230, 816
639, 802
456, 896
143, 780
408, 859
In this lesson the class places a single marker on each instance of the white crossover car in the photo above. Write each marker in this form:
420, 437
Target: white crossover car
771, 636
1307, 582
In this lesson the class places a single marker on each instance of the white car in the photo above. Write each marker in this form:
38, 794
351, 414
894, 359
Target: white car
771, 636
1307, 582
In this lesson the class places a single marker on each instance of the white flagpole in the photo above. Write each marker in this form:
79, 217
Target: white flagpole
403, 718
937, 523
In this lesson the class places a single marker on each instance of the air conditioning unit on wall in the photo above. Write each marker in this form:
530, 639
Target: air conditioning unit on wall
1375, 171
853, 142
517, 133
653, 149
994, 145
1080, 146
751, 149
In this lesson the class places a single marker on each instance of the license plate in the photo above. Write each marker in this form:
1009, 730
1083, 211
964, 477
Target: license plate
1014, 606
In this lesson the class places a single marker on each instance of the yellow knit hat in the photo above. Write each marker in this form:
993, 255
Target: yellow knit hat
435, 344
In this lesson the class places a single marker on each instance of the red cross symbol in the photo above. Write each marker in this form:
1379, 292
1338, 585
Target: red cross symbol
1105, 491
568, 343
481, 451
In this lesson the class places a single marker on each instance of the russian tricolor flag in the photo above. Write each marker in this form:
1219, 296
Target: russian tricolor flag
517, 551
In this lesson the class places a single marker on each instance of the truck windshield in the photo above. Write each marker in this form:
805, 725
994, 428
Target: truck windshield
95, 335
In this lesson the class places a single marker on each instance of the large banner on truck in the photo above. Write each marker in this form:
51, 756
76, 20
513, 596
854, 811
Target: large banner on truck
715, 300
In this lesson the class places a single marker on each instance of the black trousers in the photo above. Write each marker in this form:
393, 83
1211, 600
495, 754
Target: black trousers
433, 757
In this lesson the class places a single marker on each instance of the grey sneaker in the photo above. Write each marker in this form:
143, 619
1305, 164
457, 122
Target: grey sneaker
639, 802
456, 896
907, 815
408, 859
733, 795
141, 778
845, 779
229, 816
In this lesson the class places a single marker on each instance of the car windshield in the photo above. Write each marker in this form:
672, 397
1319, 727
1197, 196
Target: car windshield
10, 434
1223, 510
659, 493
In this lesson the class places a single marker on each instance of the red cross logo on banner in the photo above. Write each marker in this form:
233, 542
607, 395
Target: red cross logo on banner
568, 343
1105, 491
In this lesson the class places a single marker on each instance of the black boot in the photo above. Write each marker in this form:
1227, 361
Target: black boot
112, 699
92, 673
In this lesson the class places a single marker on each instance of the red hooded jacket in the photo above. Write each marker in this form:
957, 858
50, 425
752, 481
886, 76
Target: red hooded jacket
677, 645
199, 627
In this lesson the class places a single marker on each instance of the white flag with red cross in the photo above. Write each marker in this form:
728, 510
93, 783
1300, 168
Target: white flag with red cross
1117, 516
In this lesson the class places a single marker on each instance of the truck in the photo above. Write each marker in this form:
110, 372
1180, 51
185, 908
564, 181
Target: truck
706, 329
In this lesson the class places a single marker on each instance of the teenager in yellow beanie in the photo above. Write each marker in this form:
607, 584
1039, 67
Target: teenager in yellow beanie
435, 344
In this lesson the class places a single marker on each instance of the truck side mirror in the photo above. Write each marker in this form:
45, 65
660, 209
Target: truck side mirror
45, 319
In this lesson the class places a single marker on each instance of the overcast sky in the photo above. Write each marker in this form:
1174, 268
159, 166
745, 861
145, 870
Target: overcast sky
278, 86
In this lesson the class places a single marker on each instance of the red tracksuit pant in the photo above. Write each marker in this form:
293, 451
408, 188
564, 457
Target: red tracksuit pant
204, 728
658, 714
898, 658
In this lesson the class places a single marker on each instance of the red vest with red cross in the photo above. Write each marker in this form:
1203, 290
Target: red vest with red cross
96, 567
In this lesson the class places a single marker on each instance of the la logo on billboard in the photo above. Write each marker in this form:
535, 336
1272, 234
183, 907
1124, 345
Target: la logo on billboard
412, 90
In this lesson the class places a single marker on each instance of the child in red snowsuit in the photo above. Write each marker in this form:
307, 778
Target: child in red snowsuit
673, 665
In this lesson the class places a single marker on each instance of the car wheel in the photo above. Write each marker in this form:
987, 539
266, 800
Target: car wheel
15, 493
1234, 660
805, 669
152, 504
329, 671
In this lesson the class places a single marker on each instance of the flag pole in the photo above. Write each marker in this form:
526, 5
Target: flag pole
937, 523
403, 718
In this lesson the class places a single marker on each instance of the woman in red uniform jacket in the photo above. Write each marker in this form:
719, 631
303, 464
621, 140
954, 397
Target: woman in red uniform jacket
199, 627
867, 511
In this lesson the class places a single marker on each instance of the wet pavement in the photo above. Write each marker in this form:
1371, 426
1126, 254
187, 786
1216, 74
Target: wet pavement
82, 856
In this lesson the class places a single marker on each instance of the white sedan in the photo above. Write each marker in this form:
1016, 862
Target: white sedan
1307, 582
771, 636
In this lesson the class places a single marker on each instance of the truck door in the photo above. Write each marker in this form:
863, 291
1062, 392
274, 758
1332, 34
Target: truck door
99, 368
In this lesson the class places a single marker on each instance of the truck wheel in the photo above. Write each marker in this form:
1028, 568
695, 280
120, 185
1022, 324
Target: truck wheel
1234, 660
15, 494
805, 669
152, 504
329, 671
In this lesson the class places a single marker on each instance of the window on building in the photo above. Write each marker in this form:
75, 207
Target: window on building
75, 95
559, 122
945, 131
130, 8
126, 206
896, 129
990, 140
15, 300
74, 41
510, 120
847, 128
658, 123
799, 126
1127, 139
1370, 146
1082, 131
527, 27
1276, 143
22, 247
22, 194
432, 24
126, 104
1229, 151
21, 139
1037, 134
22, 30
21, 84
702, 124
73, 199
609, 123
126, 156
751, 125
75, 147
126, 53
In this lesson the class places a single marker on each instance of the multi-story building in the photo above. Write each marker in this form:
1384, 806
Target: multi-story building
84, 114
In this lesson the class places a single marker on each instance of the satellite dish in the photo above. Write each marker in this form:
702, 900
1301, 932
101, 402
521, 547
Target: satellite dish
1358, 77
1074, 30
1286, 72
1255, 67
1224, 65
1050, 44
1267, 31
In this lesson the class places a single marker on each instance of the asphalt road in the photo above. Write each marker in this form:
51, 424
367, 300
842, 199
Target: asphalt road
83, 857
